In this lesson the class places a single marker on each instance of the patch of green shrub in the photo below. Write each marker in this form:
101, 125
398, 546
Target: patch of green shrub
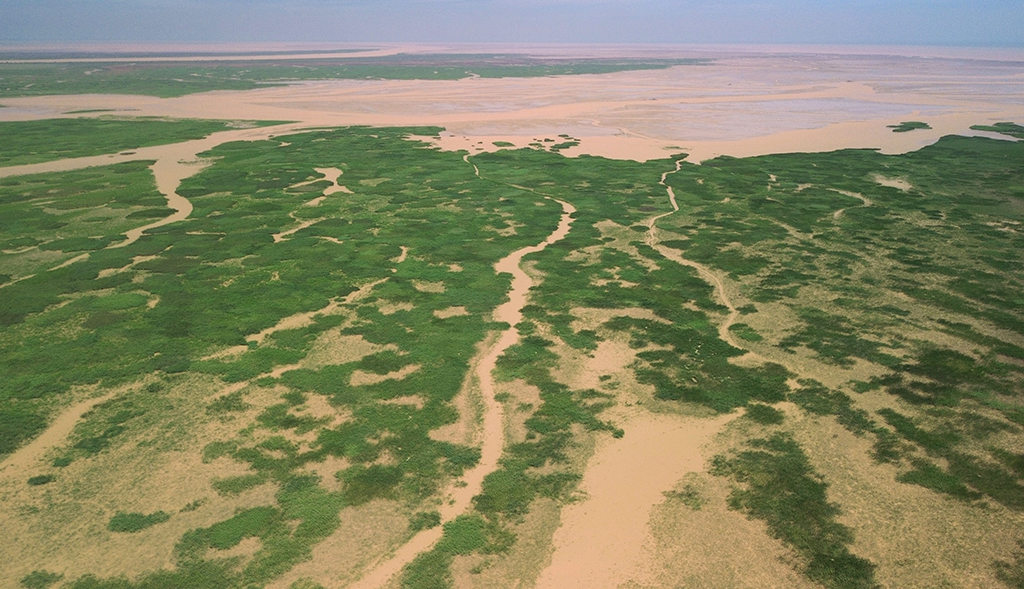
40, 579
135, 522
764, 414
906, 126
779, 487
424, 520
42, 479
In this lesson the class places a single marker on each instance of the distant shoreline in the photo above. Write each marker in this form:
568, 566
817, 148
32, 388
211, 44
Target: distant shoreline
171, 52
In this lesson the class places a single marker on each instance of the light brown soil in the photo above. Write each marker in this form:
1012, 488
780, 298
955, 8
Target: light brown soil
459, 311
917, 537
78, 504
600, 541
25, 459
744, 103
898, 183
713, 546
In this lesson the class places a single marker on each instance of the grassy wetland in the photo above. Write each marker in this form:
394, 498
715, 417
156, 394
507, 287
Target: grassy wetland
169, 78
281, 390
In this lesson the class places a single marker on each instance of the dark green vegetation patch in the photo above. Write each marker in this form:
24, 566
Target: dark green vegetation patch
40, 580
136, 522
863, 273
167, 79
30, 142
906, 126
780, 487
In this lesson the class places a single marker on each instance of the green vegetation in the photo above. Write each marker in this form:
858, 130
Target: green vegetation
40, 580
745, 332
781, 488
878, 286
424, 520
30, 142
764, 414
40, 480
464, 535
168, 79
907, 126
1010, 129
136, 522
690, 496
48, 219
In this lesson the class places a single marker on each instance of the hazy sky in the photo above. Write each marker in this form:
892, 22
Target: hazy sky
912, 22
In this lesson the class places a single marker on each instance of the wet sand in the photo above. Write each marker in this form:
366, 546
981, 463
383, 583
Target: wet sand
743, 103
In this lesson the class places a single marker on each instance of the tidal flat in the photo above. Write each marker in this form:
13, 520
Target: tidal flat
687, 320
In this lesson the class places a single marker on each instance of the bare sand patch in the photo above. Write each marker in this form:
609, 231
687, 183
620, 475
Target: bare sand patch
79, 503
714, 546
521, 565
410, 400
328, 470
524, 399
29, 455
387, 307
898, 183
244, 550
279, 237
468, 403
600, 541
446, 313
593, 318
361, 378
332, 175
402, 256
427, 286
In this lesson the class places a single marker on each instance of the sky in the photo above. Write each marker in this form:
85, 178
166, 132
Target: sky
862, 22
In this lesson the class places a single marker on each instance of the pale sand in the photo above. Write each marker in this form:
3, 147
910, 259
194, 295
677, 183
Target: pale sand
28, 456
742, 104
361, 378
461, 495
898, 183
332, 175
279, 237
600, 542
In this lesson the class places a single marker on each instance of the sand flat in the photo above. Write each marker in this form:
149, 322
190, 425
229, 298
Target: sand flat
743, 103
600, 541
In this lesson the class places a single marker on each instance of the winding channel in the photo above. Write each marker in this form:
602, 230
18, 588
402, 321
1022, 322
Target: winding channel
493, 431
704, 272
172, 163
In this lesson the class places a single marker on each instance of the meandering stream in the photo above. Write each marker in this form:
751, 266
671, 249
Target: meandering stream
471, 483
